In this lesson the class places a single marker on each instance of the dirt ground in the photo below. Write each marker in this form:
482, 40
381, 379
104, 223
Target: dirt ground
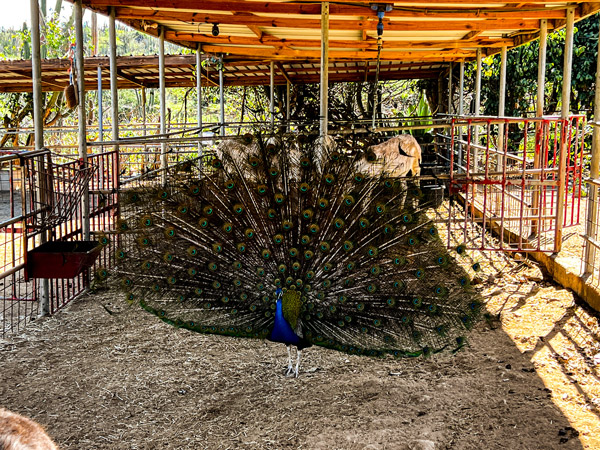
101, 375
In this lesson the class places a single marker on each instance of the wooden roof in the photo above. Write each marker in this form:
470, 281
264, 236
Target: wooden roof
142, 71
414, 31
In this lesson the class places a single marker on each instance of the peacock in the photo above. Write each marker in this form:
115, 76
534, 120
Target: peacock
290, 239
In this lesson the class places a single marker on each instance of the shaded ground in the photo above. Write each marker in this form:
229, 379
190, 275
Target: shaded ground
127, 381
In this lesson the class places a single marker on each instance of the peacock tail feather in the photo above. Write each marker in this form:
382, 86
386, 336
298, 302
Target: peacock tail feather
208, 250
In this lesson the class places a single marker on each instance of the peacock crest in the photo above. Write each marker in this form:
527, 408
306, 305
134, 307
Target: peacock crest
352, 256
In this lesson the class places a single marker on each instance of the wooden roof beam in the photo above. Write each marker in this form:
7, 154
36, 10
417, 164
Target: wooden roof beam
283, 72
369, 23
129, 78
236, 6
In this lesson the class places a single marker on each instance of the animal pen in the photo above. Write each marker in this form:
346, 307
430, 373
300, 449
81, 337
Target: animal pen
529, 194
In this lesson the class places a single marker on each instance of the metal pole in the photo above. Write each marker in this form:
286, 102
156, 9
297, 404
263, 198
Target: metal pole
163, 103
541, 83
38, 121
287, 105
221, 98
591, 226
450, 89
461, 93
501, 106
272, 95
199, 95
100, 110
114, 91
564, 115
324, 67
476, 112
85, 201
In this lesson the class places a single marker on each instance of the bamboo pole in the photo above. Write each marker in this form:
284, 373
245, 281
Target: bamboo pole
272, 96
163, 103
199, 94
324, 68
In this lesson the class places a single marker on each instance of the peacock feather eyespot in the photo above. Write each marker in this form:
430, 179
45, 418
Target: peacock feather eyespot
339, 223
207, 305
364, 223
335, 156
234, 311
261, 189
253, 161
144, 241
217, 247
474, 306
260, 271
229, 185
216, 285
321, 295
411, 241
324, 247
208, 210
417, 302
241, 247
212, 266
265, 253
314, 228
309, 275
192, 272
375, 270
405, 320
282, 268
440, 291
224, 299
323, 203
348, 246
328, 267
293, 252
279, 198
388, 184
238, 208
371, 288
326, 284
419, 273
432, 309
203, 222
305, 239
308, 254
243, 296
349, 200
359, 177
433, 231
341, 323
461, 249
163, 195
380, 208
349, 282
342, 299
441, 260
464, 281
307, 214
273, 172
388, 229
126, 282
217, 163
146, 221
170, 232
268, 314
121, 254
227, 227
319, 315
171, 280
476, 267
350, 266
253, 308
129, 298
156, 287
391, 301
249, 233
299, 283
407, 218
122, 225
398, 285
104, 241
198, 291
377, 322
260, 286
400, 261
287, 225
183, 209
304, 188
194, 189
441, 330
372, 251
305, 162
237, 282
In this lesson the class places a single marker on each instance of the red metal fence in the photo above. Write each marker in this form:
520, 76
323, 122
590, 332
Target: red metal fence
510, 175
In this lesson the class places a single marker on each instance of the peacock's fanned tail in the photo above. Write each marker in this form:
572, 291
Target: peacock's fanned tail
207, 251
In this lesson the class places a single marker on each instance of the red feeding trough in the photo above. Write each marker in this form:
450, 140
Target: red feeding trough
61, 259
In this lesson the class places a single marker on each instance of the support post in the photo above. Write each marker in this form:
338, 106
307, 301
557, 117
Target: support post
461, 93
564, 115
477, 107
199, 95
163, 103
287, 105
324, 68
114, 91
38, 122
539, 112
100, 108
85, 201
591, 226
221, 97
450, 88
272, 96
501, 107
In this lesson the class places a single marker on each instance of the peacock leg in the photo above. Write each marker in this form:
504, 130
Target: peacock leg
290, 370
298, 363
